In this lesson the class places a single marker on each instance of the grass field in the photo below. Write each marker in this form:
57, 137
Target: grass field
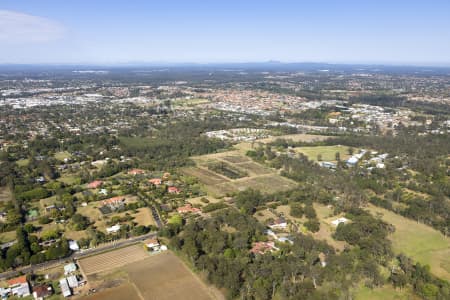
8, 236
112, 260
326, 229
62, 155
258, 176
328, 153
23, 162
5, 194
418, 241
70, 179
386, 292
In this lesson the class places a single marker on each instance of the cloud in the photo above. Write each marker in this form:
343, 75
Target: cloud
20, 28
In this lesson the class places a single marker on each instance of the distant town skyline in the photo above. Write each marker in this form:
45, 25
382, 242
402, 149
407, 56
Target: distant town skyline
174, 31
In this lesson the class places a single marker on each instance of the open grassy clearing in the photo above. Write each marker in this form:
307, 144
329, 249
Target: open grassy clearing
257, 176
5, 194
386, 292
326, 229
70, 179
205, 176
253, 168
418, 241
112, 260
235, 159
62, 155
23, 162
197, 200
8, 236
328, 153
270, 183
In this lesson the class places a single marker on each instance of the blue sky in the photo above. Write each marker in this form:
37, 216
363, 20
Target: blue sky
339, 31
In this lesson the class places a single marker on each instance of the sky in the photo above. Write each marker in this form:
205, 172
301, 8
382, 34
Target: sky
209, 31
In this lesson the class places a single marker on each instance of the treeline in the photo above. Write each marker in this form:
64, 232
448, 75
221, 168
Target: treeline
172, 145
395, 101
219, 247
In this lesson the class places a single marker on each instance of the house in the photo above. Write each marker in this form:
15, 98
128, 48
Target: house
4, 292
65, 289
42, 291
19, 286
155, 181
114, 201
279, 223
103, 192
352, 161
322, 258
113, 229
152, 244
136, 172
40, 179
340, 220
3, 216
173, 190
327, 164
188, 209
70, 268
285, 240
73, 245
95, 184
73, 281
263, 247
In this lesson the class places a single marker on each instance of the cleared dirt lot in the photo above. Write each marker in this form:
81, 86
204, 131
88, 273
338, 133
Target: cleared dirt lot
126, 291
164, 276
112, 260
160, 276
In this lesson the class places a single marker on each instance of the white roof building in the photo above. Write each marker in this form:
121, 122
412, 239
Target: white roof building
113, 229
340, 220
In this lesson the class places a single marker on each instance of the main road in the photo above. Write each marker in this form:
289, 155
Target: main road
76, 255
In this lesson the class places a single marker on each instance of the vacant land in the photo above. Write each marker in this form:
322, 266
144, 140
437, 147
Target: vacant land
164, 276
418, 241
125, 291
8, 236
5, 194
328, 153
326, 229
62, 155
258, 176
112, 260
160, 276
384, 293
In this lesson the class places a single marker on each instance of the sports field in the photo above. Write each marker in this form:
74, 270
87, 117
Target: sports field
328, 153
418, 241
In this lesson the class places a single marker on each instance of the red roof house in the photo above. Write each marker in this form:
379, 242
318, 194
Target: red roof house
136, 171
263, 247
17, 280
188, 209
114, 201
95, 184
173, 190
155, 181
